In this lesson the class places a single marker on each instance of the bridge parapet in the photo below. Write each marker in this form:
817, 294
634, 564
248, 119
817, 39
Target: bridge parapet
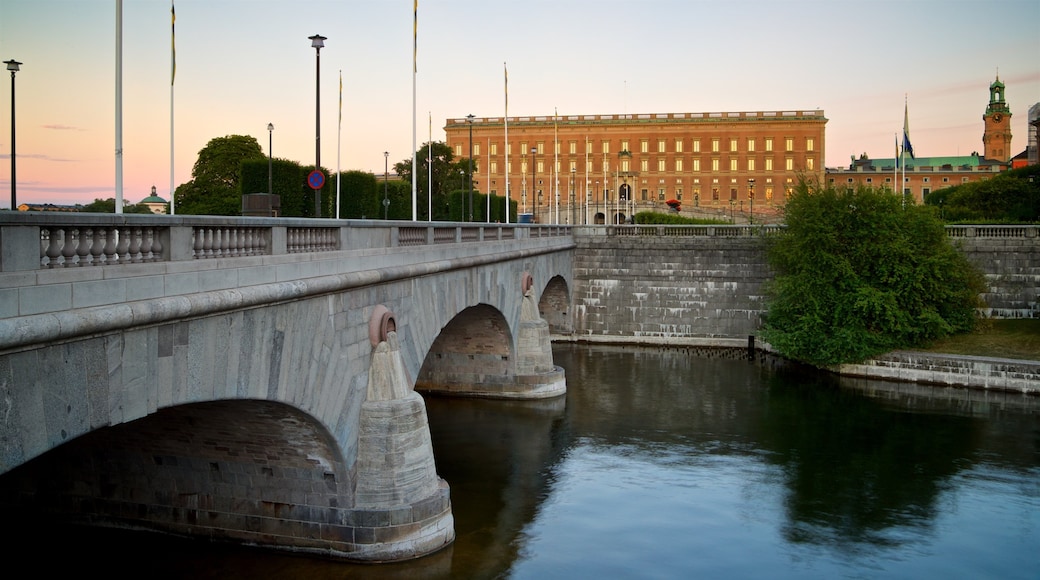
33, 241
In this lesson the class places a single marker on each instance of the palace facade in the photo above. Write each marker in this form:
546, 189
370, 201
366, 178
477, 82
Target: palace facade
580, 169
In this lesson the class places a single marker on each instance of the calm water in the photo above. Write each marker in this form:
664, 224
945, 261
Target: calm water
661, 464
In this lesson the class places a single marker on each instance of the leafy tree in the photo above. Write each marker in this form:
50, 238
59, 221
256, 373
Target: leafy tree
858, 274
445, 177
109, 206
214, 188
1013, 196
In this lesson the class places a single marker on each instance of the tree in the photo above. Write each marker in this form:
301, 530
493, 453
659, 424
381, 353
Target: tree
1013, 196
858, 274
445, 177
109, 206
214, 188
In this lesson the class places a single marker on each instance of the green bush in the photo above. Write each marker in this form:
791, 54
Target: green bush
858, 274
656, 217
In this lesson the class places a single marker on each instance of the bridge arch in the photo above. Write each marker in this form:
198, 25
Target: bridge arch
199, 469
554, 306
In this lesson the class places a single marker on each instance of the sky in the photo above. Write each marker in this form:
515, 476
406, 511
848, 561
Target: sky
242, 64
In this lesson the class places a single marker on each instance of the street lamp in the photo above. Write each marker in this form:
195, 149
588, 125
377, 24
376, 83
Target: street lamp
386, 171
12, 65
574, 215
751, 196
318, 42
270, 173
469, 120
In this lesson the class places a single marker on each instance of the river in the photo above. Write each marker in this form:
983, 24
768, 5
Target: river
659, 463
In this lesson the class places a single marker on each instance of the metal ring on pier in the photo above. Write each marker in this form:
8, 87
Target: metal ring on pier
382, 323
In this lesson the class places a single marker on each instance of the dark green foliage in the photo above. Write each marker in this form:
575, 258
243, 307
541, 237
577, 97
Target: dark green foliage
109, 206
656, 217
215, 185
1011, 197
859, 274
358, 196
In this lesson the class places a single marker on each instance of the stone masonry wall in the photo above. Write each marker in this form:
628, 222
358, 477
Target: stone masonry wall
668, 287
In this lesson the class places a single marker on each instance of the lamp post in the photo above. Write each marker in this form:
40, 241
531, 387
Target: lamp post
12, 65
469, 120
573, 215
270, 173
533, 185
386, 172
751, 197
318, 42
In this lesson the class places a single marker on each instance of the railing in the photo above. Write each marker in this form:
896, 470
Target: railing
732, 231
43, 240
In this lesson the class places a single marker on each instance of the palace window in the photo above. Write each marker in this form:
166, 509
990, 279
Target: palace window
751, 144
769, 163
750, 164
624, 145
789, 144
644, 165
696, 145
810, 144
678, 165
715, 145
678, 146
660, 165
574, 147
541, 147
696, 164
733, 164
733, 145
476, 149
644, 146
789, 164
624, 165
660, 145
660, 194
714, 163
810, 163
606, 146
769, 143
494, 166
494, 148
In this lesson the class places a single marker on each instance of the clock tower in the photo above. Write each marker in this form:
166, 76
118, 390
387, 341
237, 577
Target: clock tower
996, 140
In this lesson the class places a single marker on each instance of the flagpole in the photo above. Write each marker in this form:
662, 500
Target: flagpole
505, 151
173, 75
415, 69
339, 140
489, 183
429, 172
119, 106
556, 163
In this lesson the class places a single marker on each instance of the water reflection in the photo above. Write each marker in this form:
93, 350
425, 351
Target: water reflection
662, 464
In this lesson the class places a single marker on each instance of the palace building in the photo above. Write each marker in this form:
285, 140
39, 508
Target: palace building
576, 169
923, 175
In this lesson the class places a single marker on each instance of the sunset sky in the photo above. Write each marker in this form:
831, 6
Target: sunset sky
242, 64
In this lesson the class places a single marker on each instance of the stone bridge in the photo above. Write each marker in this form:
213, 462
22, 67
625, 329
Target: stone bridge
251, 379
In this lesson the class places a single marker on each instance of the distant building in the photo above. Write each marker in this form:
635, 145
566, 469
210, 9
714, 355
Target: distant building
1032, 154
604, 168
47, 207
155, 203
923, 175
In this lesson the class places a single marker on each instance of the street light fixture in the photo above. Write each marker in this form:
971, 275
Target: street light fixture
12, 65
270, 173
318, 42
386, 172
469, 120
751, 196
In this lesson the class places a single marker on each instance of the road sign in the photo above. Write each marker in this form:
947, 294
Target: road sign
316, 179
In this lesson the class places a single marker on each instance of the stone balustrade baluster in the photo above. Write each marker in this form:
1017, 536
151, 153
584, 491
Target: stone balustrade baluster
134, 249
123, 245
197, 237
86, 239
68, 249
53, 250
225, 241
111, 243
157, 247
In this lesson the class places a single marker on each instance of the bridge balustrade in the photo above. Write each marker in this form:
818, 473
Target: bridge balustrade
39, 240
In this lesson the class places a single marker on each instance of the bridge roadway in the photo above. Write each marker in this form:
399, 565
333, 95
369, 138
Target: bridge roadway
251, 379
